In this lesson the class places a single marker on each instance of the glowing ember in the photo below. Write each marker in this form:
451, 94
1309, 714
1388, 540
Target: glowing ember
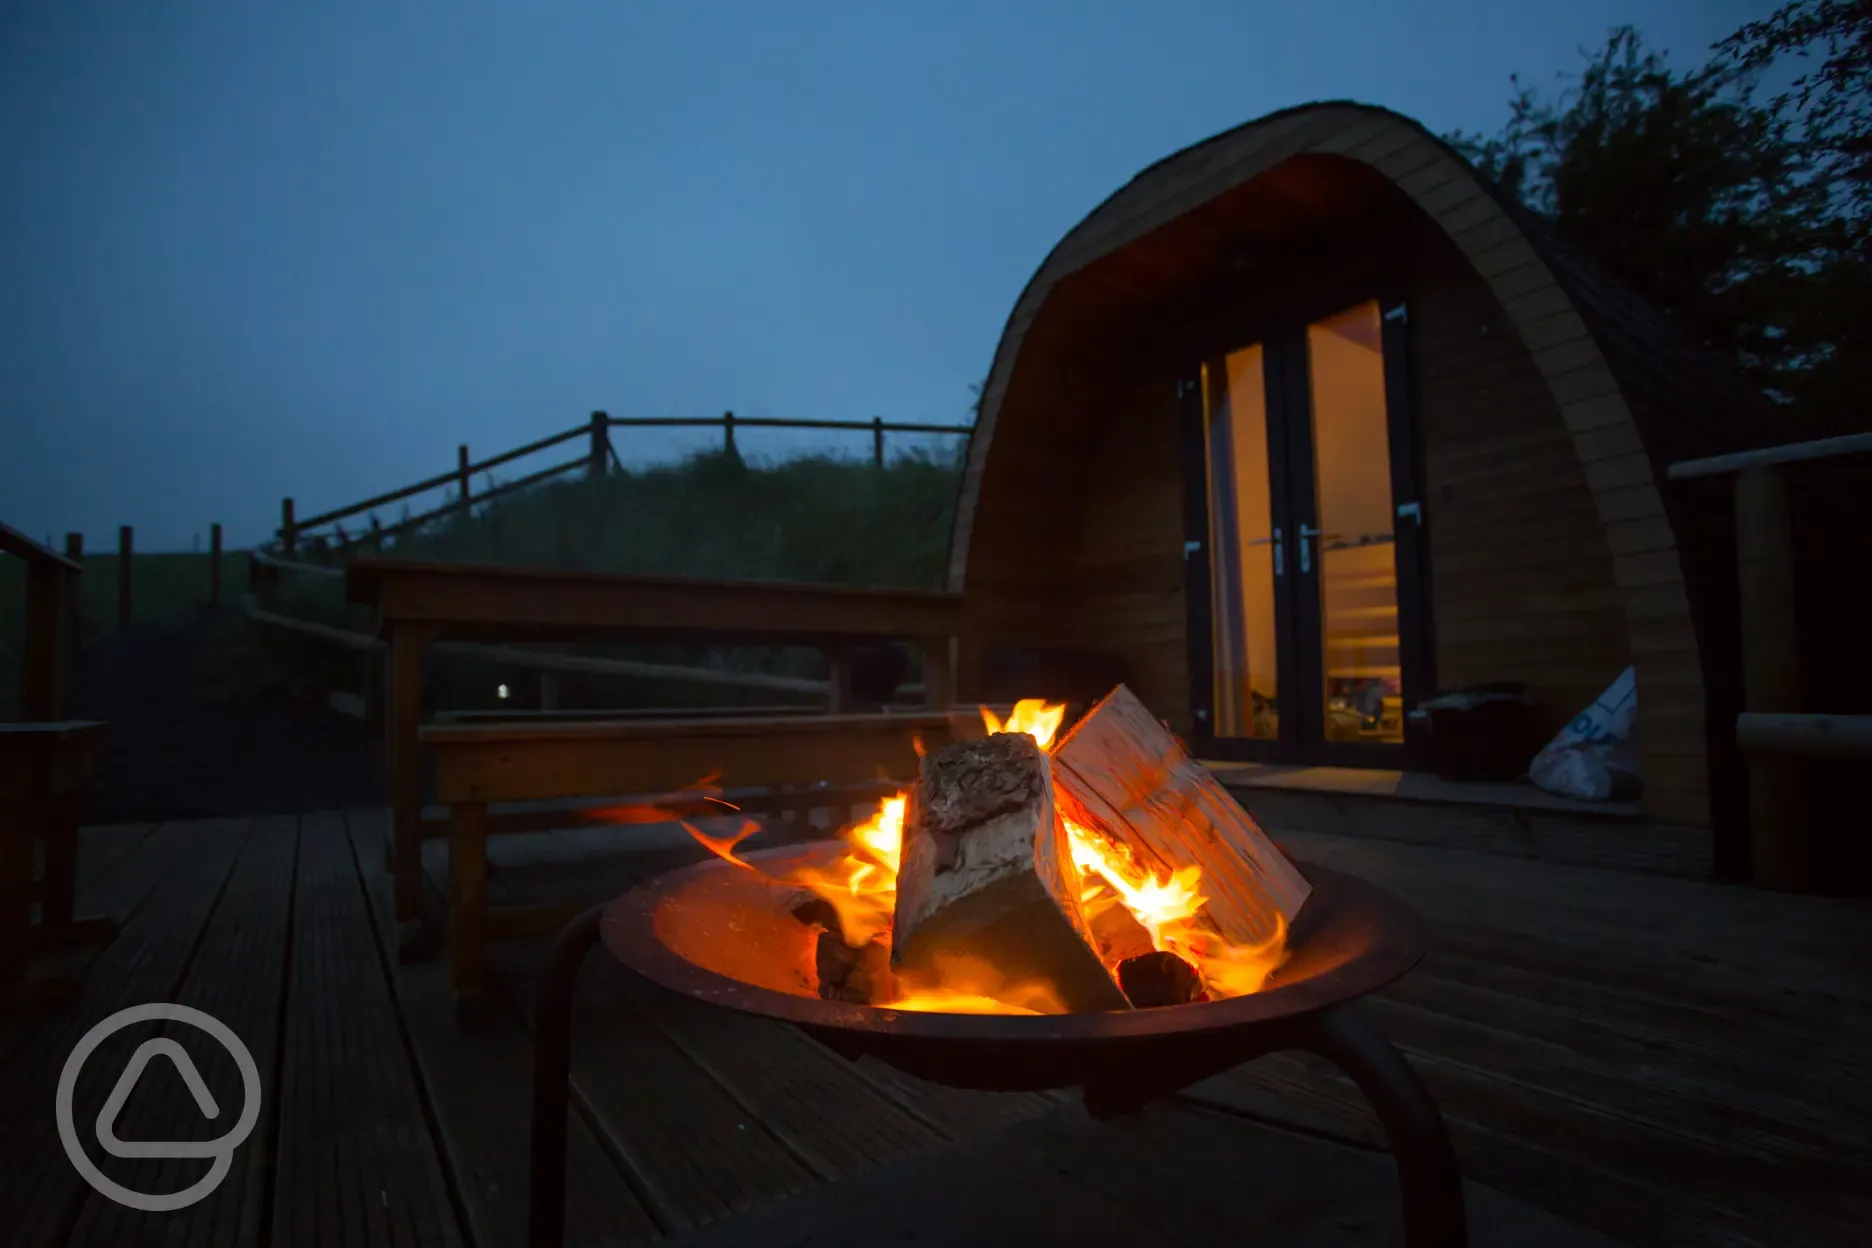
861, 887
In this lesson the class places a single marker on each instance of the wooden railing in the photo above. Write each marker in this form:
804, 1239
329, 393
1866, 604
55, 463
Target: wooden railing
45, 639
1772, 733
597, 457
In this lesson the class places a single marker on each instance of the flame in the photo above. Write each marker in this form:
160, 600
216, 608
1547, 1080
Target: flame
723, 846
962, 984
1155, 903
1036, 717
861, 887
1169, 908
698, 800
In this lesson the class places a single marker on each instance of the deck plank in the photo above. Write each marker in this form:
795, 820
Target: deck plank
591, 864
99, 848
1168, 1176
1669, 1061
236, 977
825, 1110
692, 1151
112, 887
146, 962
480, 1083
357, 1164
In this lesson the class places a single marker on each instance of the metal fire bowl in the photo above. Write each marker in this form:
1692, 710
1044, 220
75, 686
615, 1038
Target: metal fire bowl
725, 935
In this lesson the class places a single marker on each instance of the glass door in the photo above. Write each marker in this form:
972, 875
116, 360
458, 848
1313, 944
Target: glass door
1304, 613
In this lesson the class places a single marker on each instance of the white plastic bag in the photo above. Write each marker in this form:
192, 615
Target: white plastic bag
1594, 757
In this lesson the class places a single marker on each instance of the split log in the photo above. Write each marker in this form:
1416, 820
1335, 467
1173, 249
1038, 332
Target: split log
986, 872
1120, 772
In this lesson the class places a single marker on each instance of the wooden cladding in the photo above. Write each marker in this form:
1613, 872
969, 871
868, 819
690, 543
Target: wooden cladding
1550, 549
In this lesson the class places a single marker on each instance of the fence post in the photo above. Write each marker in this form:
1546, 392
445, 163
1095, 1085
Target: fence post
877, 440
376, 535
74, 596
461, 478
289, 533
1770, 673
125, 550
600, 444
727, 423
214, 565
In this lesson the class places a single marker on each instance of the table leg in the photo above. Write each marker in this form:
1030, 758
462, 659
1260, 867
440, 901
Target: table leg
1434, 1216
552, 1077
402, 725
467, 916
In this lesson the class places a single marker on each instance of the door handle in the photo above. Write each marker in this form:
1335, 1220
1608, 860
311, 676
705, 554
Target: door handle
1413, 511
1306, 556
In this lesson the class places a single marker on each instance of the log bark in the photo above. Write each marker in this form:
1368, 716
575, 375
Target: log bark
1120, 772
1160, 978
860, 974
985, 872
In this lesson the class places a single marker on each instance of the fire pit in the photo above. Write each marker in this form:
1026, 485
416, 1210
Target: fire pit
732, 932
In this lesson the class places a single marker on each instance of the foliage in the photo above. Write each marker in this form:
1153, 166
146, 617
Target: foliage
1723, 209
1833, 107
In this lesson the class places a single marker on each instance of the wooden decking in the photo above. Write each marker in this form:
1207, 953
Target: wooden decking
1658, 1059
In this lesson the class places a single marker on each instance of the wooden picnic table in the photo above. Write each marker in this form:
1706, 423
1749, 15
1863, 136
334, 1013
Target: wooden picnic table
418, 603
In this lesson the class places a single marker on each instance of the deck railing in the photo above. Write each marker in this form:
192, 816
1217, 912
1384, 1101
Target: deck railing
1772, 733
599, 454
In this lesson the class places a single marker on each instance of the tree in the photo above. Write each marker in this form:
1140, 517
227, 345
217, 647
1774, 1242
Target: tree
1724, 210
1833, 108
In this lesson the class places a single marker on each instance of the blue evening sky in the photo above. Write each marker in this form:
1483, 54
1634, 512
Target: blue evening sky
250, 250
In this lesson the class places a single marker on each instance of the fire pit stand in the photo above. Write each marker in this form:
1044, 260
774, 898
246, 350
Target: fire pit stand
686, 929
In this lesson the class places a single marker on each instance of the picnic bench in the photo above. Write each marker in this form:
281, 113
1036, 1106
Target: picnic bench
45, 763
416, 604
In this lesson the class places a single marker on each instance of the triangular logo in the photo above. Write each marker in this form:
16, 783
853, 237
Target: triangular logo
126, 1082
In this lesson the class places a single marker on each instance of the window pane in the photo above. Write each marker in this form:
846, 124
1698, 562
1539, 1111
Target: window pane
1241, 547
1355, 546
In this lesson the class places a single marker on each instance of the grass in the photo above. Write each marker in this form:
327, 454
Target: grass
710, 516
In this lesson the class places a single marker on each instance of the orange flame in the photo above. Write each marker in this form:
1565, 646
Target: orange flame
723, 846
968, 985
861, 887
1036, 717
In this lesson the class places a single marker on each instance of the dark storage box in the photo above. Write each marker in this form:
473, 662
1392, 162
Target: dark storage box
1481, 732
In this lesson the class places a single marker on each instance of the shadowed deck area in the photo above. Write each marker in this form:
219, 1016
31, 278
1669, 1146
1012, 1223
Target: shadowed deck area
1657, 1059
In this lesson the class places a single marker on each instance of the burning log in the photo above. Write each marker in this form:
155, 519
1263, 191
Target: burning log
1160, 978
861, 975
1121, 773
986, 873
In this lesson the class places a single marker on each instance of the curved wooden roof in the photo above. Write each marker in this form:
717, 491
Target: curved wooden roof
1620, 374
